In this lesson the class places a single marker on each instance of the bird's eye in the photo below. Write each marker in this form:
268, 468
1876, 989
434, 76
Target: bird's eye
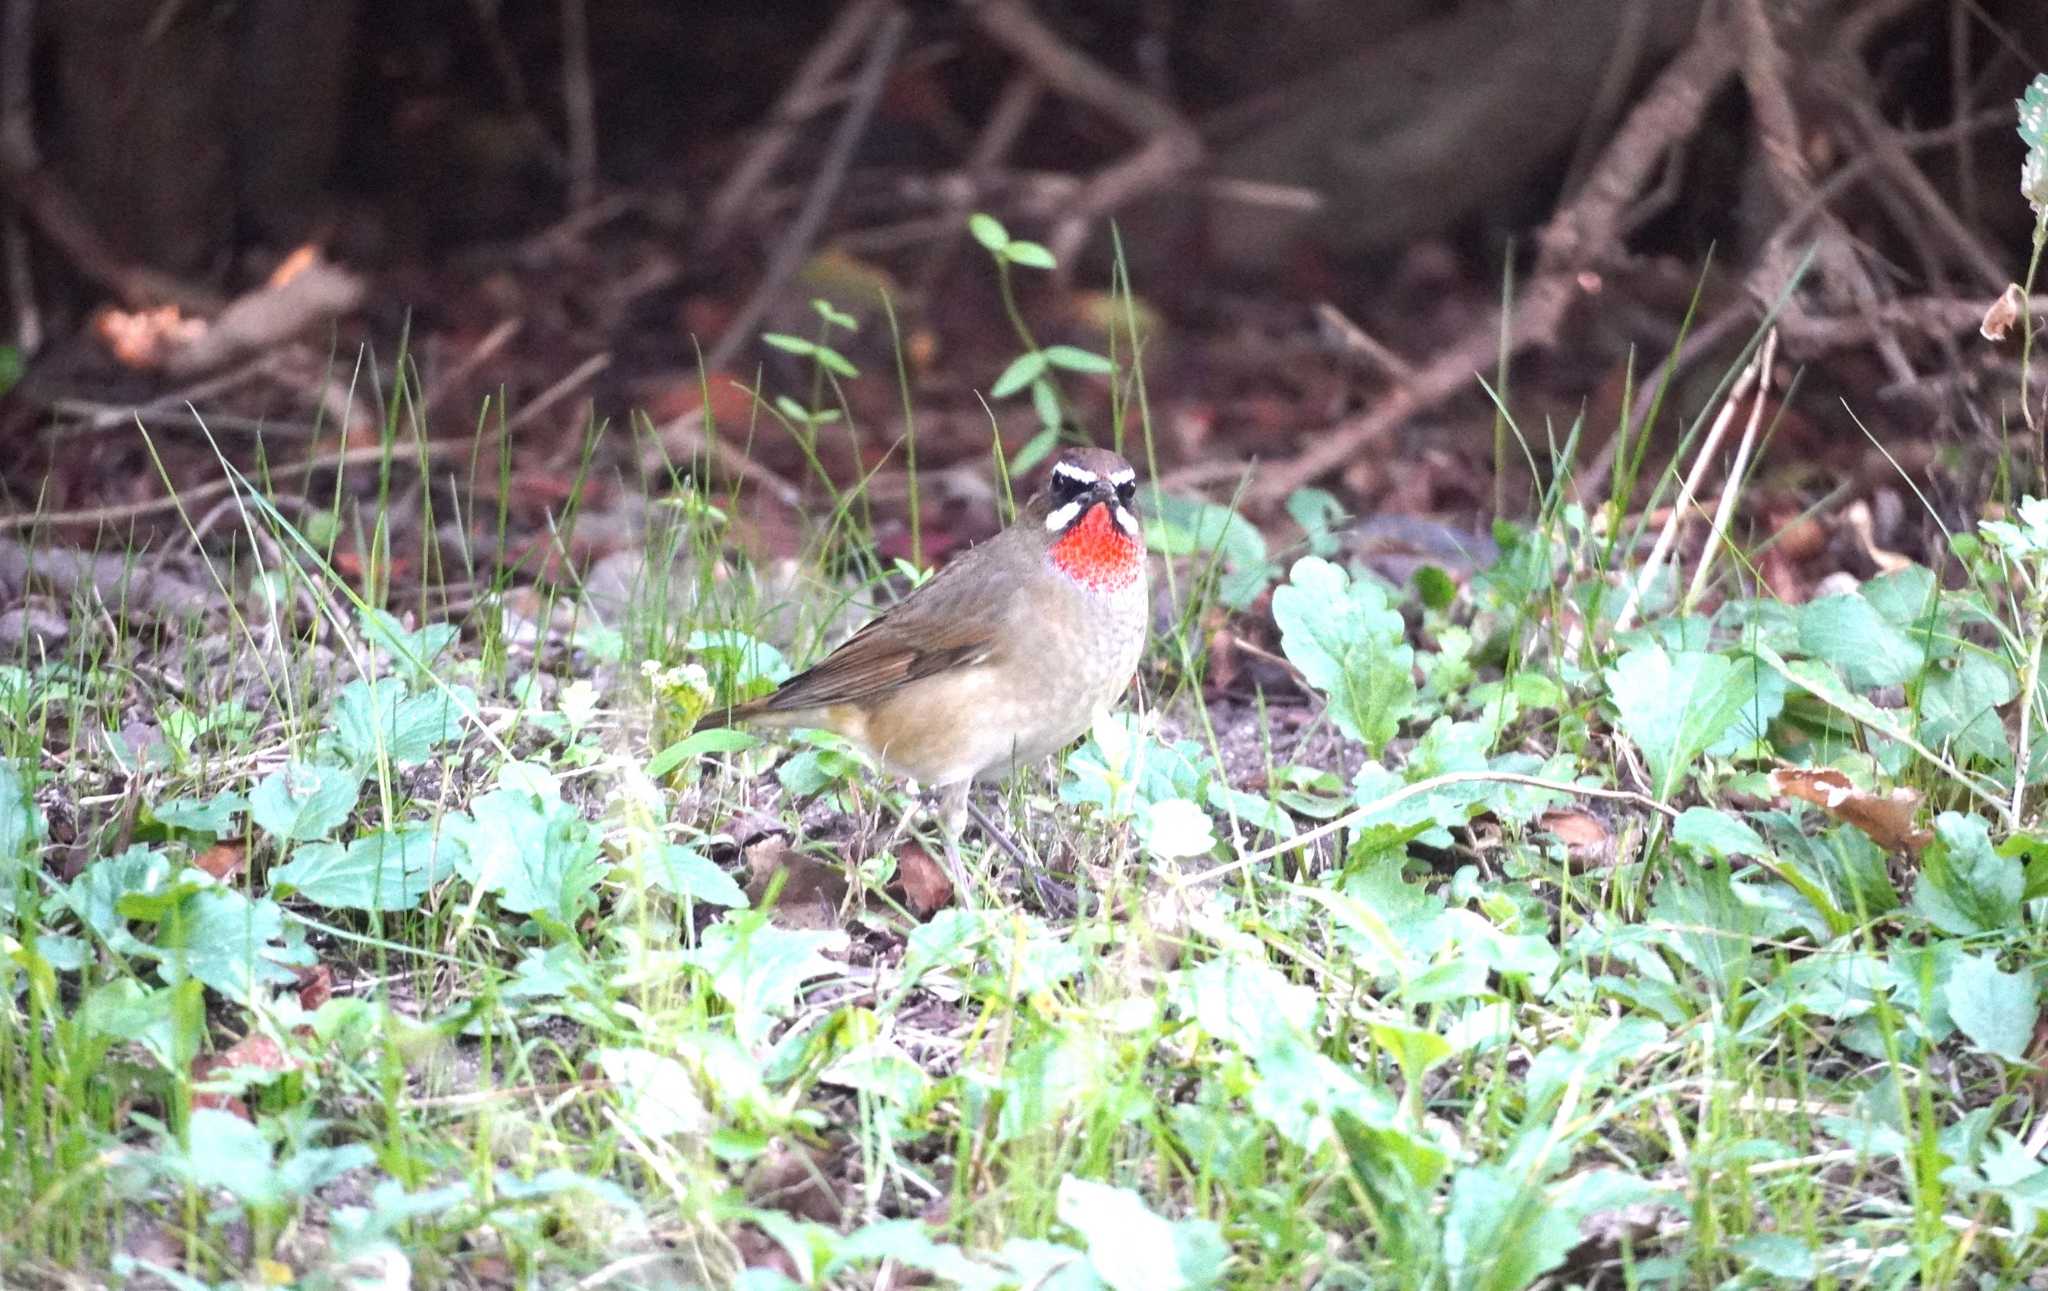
1067, 482
1126, 491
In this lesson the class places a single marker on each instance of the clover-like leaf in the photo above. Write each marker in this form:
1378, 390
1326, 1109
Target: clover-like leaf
304, 801
1350, 644
1676, 705
1997, 1010
387, 869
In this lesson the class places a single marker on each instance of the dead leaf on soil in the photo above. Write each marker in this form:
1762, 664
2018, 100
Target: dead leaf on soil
759, 1251
142, 339
795, 1178
1588, 843
253, 1050
1886, 818
1864, 527
2004, 312
922, 881
812, 892
316, 986
222, 860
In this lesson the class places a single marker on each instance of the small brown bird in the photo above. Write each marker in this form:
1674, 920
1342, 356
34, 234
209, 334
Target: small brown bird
1000, 659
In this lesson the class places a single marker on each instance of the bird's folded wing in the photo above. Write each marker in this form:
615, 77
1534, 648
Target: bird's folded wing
881, 657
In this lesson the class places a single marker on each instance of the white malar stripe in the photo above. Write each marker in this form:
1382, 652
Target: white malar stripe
1078, 474
1125, 520
1065, 515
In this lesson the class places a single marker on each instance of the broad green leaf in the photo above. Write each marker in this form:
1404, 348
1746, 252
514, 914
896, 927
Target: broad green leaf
1072, 358
1039, 446
381, 717
231, 1154
1023, 370
657, 1095
1244, 1003
1713, 926
1045, 401
1500, 1232
1319, 513
535, 853
95, 895
226, 940
721, 739
790, 344
1965, 886
759, 968
833, 316
1350, 645
304, 801
1250, 809
1904, 596
1779, 1255
835, 363
988, 231
1045, 1081
1674, 706
1717, 834
1178, 526
21, 833
1996, 1010
908, 1243
1870, 649
1174, 828
386, 869
1135, 1249
1959, 701
688, 875
1030, 255
215, 815
744, 659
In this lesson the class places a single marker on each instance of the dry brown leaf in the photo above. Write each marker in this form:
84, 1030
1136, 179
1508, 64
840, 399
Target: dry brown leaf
2004, 312
222, 860
1860, 523
796, 1179
1588, 843
1800, 536
253, 1050
316, 986
923, 881
812, 892
144, 338
1886, 818
302, 258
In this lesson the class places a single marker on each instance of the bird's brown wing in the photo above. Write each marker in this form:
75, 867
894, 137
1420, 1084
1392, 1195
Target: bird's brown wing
955, 620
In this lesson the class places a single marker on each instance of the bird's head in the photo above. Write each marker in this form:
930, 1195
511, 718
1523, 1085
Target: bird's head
1089, 510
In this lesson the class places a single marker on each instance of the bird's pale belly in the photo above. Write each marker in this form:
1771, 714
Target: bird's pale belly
979, 723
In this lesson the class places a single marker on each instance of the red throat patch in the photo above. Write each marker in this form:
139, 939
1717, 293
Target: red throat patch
1097, 554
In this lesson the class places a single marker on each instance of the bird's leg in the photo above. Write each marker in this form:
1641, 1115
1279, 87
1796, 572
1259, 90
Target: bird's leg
951, 812
1050, 898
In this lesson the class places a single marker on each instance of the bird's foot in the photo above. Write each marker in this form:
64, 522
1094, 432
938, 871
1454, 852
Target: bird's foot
1057, 899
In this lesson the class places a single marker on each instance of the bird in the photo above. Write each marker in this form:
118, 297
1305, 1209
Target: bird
1002, 658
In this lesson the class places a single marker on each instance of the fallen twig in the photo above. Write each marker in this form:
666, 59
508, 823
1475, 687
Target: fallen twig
803, 230
579, 104
1585, 232
1732, 487
1624, 620
113, 578
722, 213
1359, 815
272, 313
1171, 146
